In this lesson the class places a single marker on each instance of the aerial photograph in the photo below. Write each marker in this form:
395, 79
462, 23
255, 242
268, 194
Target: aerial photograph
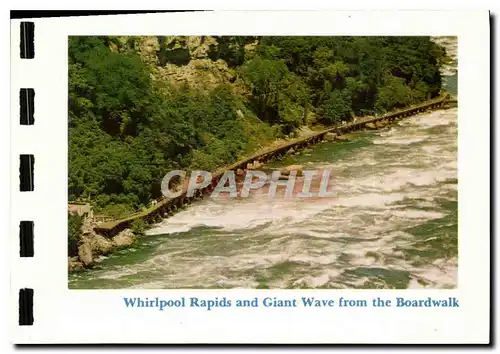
262, 162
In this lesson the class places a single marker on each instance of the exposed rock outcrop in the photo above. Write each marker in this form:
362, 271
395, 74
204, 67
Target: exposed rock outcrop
92, 245
85, 254
74, 264
124, 238
101, 245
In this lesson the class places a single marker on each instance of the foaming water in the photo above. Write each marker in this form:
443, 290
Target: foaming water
392, 223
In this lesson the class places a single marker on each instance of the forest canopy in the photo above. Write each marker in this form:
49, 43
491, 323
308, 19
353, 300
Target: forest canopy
128, 128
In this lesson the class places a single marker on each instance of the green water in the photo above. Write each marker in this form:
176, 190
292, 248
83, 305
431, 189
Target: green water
450, 84
391, 224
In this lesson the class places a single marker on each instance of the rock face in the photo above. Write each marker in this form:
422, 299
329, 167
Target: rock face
181, 59
85, 254
186, 60
92, 245
124, 238
74, 264
100, 245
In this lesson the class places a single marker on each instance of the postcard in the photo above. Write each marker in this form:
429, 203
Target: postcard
190, 177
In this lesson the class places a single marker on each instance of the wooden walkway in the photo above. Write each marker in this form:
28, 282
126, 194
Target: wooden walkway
168, 206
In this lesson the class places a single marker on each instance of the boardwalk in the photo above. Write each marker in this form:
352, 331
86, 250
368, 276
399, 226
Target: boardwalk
168, 206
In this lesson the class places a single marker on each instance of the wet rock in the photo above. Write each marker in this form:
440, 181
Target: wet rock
74, 264
124, 238
343, 138
371, 126
101, 245
380, 124
85, 254
299, 168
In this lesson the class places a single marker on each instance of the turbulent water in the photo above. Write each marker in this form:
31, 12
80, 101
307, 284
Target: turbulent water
391, 224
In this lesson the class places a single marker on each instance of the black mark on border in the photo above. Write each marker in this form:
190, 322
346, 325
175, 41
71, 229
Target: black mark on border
26, 307
26, 173
27, 40
26, 237
27, 106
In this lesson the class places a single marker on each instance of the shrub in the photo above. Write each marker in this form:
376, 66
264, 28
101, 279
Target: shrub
75, 223
138, 227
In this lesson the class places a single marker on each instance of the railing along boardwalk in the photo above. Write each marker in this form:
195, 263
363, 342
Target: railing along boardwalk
168, 206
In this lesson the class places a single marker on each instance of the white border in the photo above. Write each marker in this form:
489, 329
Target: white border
65, 316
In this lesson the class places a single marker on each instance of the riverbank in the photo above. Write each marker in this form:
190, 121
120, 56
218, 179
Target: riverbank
95, 242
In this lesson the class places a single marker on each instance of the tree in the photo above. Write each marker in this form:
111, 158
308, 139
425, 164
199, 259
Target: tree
75, 223
337, 107
266, 78
394, 93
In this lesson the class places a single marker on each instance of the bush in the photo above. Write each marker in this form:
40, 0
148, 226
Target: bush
138, 227
337, 107
75, 223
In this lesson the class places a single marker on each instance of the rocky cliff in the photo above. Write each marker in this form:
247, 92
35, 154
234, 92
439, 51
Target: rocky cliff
201, 61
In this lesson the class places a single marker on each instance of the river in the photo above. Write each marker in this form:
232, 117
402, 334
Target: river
391, 224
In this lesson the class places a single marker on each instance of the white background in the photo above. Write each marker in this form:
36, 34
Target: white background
61, 314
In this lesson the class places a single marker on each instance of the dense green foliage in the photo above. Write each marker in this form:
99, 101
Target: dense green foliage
127, 130
74, 232
348, 76
138, 227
